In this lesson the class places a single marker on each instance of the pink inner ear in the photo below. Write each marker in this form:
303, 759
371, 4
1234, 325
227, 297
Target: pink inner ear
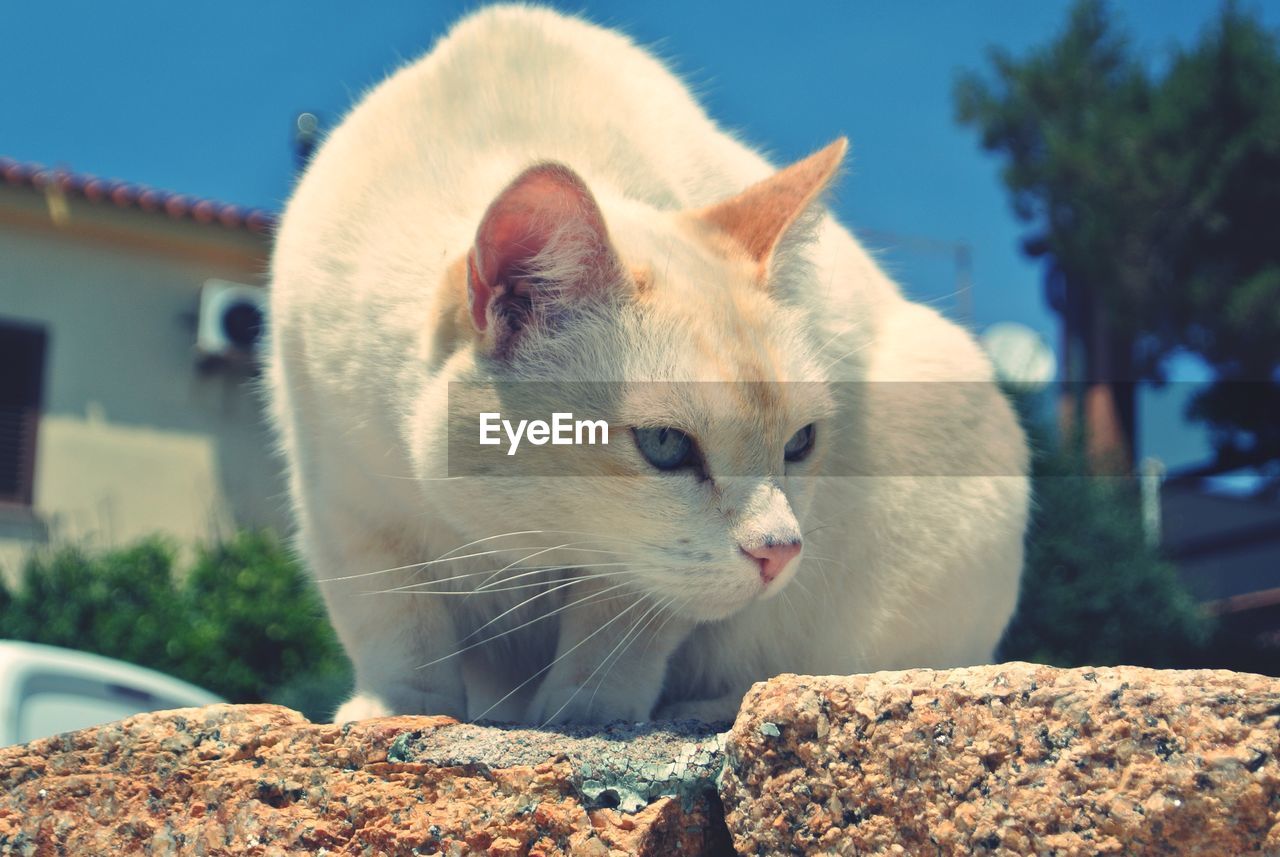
544, 203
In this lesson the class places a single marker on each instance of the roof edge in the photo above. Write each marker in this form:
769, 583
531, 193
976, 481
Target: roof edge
139, 197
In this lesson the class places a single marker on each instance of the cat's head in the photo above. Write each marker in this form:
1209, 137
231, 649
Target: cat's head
716, 400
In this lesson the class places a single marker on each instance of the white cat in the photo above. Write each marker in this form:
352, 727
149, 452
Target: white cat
538, 199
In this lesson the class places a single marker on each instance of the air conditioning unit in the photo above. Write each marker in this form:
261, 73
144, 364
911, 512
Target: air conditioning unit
232, 322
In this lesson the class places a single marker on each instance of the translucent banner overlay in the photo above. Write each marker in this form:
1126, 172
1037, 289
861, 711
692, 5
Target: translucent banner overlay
861, 429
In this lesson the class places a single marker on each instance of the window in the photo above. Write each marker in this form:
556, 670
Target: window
22, 350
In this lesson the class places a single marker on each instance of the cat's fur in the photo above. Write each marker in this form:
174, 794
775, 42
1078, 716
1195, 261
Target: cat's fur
381, 298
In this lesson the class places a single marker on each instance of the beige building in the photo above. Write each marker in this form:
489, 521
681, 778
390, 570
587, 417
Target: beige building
113, 424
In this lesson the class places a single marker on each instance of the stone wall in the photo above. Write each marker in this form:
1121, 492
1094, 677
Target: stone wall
1003, 760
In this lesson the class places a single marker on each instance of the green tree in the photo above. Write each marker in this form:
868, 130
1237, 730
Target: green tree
1153, 196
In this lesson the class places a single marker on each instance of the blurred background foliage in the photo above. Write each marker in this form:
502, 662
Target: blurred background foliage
1094, 592
244, 621
1152, 194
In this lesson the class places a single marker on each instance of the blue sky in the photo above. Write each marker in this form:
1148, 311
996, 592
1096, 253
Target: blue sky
200, 98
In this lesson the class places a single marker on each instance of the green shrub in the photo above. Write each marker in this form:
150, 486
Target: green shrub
256, 620
244, 622
1094, 593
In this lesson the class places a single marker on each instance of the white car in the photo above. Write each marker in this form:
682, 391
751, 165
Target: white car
46, 691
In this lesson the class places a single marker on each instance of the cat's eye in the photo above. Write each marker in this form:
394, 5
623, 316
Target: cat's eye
665, 448
797, 449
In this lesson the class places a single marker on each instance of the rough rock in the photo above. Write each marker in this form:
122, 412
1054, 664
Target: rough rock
262, 780
1010, 759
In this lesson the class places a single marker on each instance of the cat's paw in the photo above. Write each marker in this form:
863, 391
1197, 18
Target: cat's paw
577, 704
365, 705
362, 706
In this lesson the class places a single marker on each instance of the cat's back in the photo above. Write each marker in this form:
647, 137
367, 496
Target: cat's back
507, 86
515, 83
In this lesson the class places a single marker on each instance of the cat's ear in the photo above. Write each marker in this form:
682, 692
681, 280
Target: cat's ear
541, 245
759, 218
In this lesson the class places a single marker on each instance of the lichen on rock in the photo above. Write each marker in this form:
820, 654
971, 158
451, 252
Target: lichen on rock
623, 766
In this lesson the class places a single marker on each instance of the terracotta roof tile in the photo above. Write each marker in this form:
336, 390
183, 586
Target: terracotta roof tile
127, 195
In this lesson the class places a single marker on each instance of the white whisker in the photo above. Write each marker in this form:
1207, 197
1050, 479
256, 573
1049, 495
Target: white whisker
791, 605
597, 536
617, 645
541, 569
831, 364
592, 701
839, 333
529, 557
557, 660
426, 563
527, 601
561, 609
671, 614
467, 593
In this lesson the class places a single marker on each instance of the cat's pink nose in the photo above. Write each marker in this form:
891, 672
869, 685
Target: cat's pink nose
773, 558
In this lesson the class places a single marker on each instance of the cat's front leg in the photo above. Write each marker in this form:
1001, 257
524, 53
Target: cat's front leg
393, 670
398, 662
398, 636
611, 661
